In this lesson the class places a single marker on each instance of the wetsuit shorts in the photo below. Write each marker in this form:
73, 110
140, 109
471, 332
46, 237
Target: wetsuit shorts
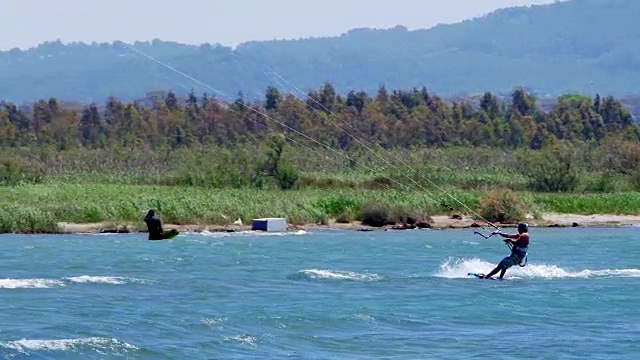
511, 260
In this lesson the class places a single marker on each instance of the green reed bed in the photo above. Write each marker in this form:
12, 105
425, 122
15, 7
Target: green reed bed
86, 203
415, 169
21, 218
38, 208
425, 179
467, 179
620, 203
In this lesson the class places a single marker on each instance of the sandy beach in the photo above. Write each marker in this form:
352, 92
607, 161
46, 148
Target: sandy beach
437, 222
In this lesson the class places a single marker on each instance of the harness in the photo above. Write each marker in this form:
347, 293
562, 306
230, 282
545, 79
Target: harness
520, 250
523, 263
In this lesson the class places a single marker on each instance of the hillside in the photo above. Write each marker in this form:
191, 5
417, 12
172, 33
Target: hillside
584, 46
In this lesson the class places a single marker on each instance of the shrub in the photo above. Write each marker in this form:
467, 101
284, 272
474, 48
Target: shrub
635, 180
552, 170
337, 206
404, 215
607, 182
620, 155
502, 206
16, 170
375, 214
345, 216
286, 176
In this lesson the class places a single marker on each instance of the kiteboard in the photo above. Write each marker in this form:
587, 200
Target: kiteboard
169, 234
480, 276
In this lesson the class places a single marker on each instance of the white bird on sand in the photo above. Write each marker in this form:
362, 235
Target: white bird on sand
237, 222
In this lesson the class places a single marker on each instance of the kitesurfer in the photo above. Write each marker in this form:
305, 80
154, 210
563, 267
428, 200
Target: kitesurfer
154, 226
519, 246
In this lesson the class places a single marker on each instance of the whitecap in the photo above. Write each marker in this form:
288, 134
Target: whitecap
99, 344
29, 283
364, 317
113, 280
462, 267
336, 275
245, 339
216, 321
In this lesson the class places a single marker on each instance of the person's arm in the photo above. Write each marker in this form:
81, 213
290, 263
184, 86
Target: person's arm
512, 238
508, 236
510, 241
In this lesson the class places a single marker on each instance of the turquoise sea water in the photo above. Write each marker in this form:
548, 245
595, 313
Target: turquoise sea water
320, 295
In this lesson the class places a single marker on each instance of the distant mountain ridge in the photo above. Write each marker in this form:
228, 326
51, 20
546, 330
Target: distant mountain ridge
585, 46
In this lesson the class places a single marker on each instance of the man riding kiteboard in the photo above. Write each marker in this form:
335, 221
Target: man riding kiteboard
519, 245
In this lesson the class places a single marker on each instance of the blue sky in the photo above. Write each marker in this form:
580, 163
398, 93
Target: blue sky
27, 23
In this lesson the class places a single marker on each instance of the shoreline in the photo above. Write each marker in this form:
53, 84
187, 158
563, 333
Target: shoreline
437, 222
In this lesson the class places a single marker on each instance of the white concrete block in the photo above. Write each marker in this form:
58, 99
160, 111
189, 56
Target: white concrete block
269, 224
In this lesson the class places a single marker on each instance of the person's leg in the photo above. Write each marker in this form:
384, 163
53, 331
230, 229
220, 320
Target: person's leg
508, 262
504, 270
502, 267
494, 271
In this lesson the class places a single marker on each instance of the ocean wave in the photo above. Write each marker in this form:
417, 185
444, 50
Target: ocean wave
102, 345
37, 283
244, 339
363, 317
114, 280
322, 274
460, 268
217, 234
30, 283
214, 322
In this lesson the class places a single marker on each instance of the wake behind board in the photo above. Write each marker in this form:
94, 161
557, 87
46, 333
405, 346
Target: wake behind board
479, 276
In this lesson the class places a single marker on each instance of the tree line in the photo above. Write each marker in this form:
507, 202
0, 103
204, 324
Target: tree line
393, 119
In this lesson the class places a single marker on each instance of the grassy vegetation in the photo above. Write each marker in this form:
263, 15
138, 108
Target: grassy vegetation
218, 186
37, 208
620, 203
